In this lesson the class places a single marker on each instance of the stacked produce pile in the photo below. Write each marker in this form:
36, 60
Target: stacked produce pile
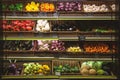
12, 7
74, 49
43, 45
47, 7
66, 68
95, 68
95, 8
13, 69
57, 46
54, 45
63, 27
72, 6
32, 6
69, 6
43, 7
42, 26
35, 68
18, 25
17, 45
96, 48
16, 7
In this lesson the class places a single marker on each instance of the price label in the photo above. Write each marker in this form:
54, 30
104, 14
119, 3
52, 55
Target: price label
20, 35
81, 38
45, 14
89, 14
45, 35
96, 55
29, 14
55, 14
40, 14
14, 14
37, 34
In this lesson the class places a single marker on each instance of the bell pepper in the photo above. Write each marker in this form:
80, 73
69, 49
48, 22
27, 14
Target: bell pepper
11, 7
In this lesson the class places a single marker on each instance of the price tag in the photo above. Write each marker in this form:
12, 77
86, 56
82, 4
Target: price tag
29, 14
20, 35
89, 14
81, 38
45, 35
55, 14
96, 55
37, 34
40, 14
14, 14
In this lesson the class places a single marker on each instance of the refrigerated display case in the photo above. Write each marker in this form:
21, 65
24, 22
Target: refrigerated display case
60, 39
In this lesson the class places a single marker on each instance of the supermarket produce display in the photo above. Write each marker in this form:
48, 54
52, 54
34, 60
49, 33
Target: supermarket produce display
60, 39
57, 45
63, 67
51, 6
44, 25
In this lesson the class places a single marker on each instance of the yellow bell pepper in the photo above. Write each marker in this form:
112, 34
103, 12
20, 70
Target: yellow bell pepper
40, 71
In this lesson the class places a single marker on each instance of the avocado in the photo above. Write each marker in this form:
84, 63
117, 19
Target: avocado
100, 72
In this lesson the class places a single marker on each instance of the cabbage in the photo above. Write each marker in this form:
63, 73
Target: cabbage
97, 65
90, 63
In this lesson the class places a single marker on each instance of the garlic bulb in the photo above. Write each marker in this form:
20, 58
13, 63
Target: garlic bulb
42, 26
47, 27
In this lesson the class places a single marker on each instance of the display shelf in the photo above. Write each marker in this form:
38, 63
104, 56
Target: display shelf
90, 59
63, 32
58, 54
80, 36
23, 58
87, 77
19, 51
60, 77
61, 18
30, 77
18, 31
96, 33
100, 38
29, 38
37, 58
58, 15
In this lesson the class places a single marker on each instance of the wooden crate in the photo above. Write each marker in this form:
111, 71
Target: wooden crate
42, 63
69, 62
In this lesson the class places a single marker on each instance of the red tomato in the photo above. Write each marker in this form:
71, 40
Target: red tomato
29, 28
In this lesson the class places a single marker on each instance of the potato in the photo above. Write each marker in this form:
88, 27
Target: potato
85, 67
84, 71
92, 72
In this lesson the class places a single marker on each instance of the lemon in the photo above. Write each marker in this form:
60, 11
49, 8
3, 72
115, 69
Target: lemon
37, 4
41, 67
40, 71
32, 3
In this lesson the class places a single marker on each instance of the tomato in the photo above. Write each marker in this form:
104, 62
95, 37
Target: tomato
29, 28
